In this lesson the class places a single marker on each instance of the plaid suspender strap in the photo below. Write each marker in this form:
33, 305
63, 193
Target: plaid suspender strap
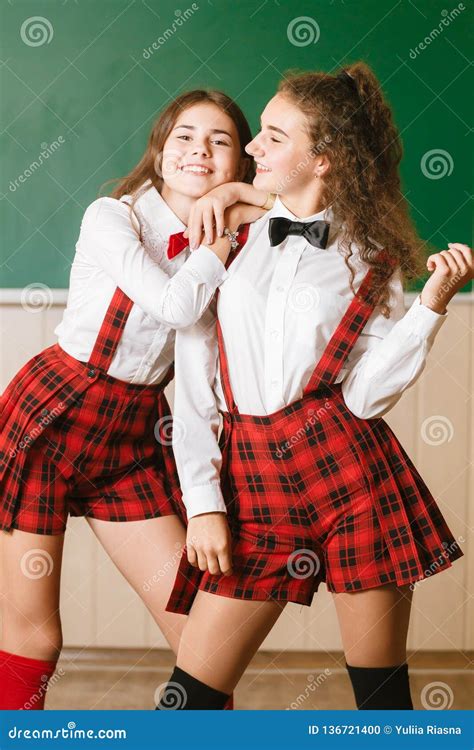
339, 346
110, 333
111, 330
347, 332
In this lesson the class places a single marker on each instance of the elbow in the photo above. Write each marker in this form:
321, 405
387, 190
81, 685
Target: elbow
358, 403
365, 409
179, 317
182, 306
184, 321
362, 412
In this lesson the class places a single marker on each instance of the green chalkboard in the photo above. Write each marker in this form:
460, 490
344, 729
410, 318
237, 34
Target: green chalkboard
82, 82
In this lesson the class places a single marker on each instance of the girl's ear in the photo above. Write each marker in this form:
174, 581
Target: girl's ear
322, 165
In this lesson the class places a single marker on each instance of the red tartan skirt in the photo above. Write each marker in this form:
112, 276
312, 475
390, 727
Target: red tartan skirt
77, 441
317, 494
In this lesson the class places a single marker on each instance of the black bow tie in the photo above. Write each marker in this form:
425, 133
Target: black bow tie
316, 232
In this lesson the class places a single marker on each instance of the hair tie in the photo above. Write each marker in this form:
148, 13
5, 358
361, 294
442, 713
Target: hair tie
345, 76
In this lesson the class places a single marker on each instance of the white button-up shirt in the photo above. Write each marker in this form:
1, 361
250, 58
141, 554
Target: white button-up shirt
278, 308
167, 294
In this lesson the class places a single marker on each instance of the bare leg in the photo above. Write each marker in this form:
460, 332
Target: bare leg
374, 625
30, 579
221, 636
147, 555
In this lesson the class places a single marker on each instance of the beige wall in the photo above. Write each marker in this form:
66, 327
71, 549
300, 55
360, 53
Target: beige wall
99, 608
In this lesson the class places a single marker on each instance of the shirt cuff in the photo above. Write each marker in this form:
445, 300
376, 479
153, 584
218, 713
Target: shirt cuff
204, 263
422, 320
205, 498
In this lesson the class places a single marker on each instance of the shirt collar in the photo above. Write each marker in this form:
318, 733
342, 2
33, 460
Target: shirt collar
279, 209
157, 212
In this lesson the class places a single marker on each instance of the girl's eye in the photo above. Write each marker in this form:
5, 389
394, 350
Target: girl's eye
275, 140
187, 137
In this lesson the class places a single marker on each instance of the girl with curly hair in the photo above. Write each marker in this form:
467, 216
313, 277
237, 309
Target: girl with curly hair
307, 347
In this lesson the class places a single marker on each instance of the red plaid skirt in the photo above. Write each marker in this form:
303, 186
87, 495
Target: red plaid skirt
316, 494
77, 441
102, 451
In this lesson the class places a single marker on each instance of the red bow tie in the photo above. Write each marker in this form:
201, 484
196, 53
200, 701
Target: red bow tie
176, 244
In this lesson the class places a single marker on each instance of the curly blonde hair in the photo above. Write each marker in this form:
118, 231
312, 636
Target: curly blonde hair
349, 118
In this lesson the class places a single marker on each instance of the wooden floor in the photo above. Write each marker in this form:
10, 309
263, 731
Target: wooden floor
129, 679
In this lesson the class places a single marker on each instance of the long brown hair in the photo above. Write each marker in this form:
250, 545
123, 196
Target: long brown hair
349, 119
149, 166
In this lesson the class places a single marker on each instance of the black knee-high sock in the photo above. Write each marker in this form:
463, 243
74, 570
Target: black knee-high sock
381, 687
185, 692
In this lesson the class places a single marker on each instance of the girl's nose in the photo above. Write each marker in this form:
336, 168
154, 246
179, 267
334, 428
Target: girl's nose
253, 148
201, 149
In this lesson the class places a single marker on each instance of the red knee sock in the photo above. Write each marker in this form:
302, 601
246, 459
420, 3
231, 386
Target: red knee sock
23, 681
229, 705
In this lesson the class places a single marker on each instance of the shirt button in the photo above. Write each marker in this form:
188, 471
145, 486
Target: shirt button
280, 288
91, 373
274, 333
274, 383
44, 412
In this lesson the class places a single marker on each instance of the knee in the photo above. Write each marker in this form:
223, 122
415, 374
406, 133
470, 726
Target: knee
31, 633
185, 692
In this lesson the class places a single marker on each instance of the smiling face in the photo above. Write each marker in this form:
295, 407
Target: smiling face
282, 150
201, 151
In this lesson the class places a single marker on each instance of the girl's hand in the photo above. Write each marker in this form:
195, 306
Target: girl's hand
208, 543
232, 217
209, 211
452, 269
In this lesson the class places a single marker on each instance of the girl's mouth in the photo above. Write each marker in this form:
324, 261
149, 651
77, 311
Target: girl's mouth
195, 169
